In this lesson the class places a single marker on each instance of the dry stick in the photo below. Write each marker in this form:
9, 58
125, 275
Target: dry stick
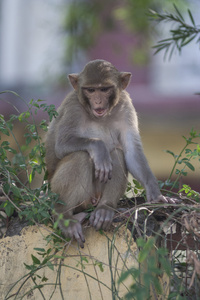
8, 198
96, 273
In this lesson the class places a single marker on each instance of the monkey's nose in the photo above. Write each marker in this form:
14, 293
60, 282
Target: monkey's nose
98, 101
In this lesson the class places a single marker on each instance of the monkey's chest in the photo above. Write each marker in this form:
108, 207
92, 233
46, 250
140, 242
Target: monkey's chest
109, 136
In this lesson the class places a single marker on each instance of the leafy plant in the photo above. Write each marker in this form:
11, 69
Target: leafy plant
27, 159
86, 20
184, 159
83, 23
147, 278
35, 205
182, 35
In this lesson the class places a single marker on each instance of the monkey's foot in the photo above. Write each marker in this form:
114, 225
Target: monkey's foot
165, 199
74, 229
101, 218
80, 217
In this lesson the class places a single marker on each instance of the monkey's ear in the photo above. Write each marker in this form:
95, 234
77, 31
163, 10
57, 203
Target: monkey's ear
73, 78
125, 79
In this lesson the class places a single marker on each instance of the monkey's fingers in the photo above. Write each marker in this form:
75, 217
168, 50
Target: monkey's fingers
164, 199
110, 175
108, 220
102, 175
107, 174
92, 217
77, 233
97, 172
101, 218
96, 219
74, 230
80, 238
173, 200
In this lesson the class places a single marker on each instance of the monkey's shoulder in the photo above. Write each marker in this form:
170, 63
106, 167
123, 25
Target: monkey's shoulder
125, 108
70, 100
70, 107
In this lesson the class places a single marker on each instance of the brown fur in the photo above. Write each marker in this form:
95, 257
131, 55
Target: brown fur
92, 144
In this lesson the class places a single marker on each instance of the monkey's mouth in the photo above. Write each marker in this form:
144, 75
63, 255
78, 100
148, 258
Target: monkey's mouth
100, 112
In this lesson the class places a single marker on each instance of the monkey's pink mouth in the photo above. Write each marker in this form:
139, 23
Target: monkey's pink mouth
100, 112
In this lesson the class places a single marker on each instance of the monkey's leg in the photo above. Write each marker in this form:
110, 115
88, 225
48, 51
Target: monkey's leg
72, 180
113, 190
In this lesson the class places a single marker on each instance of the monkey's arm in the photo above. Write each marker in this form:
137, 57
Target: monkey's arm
138, 166
96, 149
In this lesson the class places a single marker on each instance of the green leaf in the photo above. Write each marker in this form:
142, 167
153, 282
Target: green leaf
28, 140
178, 12
190, 166
188, 40
36, 261
23, 116
49, 251
16, 191
50, 265
165, 265
4, 131
135, 273
30, 178
124, 276
36, 105
9, 209
157, 285
191, 17
44, 279
66, 223
100, 265
140, 242
6, 188
32, 268
5, 144
40, 249
170, 152
83, 258
143, 255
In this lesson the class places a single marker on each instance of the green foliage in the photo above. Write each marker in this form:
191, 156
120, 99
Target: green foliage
27, 159
136, 188
86, 20
146, 278
83, 23
191, 194
36, 205
184, 159
182, 35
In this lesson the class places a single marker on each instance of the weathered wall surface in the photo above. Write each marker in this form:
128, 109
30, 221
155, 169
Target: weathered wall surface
80, 277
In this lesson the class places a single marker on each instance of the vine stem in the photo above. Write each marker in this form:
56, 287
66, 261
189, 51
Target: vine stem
176, 161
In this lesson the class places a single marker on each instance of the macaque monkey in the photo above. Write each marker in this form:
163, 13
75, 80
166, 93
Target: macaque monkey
92, 145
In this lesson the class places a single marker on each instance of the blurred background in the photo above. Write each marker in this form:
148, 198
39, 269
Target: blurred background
41, 41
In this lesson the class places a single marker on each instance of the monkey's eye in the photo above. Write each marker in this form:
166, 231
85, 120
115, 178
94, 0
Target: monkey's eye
90, 90
105, 89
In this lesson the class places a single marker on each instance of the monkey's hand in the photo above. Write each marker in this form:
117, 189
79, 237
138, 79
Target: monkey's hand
102, 161
101, 218
163, 199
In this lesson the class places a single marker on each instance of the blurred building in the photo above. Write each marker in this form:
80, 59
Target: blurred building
31, 46
31, 61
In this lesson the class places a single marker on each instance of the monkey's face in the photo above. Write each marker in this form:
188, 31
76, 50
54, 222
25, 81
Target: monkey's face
99, 86
99, 99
